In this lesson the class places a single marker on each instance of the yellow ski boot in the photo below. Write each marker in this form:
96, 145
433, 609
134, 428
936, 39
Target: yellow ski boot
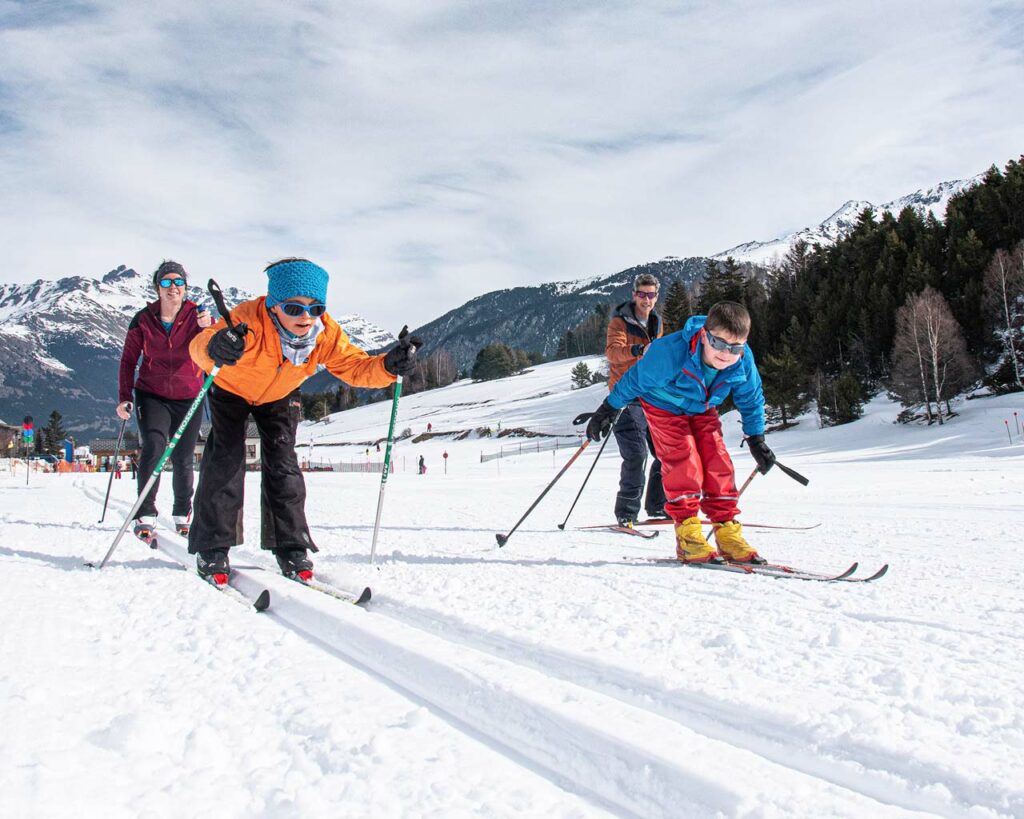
733, 546
691, 545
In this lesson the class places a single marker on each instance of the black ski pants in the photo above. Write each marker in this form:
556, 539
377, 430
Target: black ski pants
220, 495
159, 418
634, 440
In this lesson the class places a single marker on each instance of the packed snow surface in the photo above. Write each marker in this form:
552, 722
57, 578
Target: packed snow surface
550, 677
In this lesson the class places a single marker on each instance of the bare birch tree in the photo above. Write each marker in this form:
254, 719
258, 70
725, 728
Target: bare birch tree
929, 360
1004, 297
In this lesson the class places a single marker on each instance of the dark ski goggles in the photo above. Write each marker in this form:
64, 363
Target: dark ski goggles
165, 283
297, 308
724, 346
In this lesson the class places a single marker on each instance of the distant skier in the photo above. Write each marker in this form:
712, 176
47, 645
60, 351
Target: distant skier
680, 381
633, 326
288, 335
423, 465
167, 383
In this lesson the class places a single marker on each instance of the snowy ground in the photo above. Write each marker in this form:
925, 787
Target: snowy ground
548, 678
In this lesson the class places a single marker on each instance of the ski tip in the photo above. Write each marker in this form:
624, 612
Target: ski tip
364, 597
262, 602
880, 573
502, 539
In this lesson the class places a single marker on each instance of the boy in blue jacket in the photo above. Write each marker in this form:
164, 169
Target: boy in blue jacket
680, 381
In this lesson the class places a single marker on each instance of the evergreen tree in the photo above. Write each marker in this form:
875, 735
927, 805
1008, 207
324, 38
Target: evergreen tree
722, 282
785, 384
498, 361
581, 376
54, 434
840, 400
678, 307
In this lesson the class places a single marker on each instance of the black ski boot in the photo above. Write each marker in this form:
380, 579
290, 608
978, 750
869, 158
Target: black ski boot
213, 566
295, 564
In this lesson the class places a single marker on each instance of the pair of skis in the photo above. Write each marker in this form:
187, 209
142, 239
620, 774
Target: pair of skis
262, 601
767, 569
778, 570
647, 534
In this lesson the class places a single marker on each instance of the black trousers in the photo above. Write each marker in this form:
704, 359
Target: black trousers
159, 418
634, 440
220, 495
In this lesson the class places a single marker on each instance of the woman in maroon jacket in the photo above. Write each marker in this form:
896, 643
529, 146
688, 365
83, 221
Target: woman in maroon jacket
166, 385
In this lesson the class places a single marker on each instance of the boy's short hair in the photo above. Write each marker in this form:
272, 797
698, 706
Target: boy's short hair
646, 280
730, 317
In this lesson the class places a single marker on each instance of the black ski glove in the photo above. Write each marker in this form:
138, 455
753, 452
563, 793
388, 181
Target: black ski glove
401, 360
762, 453
227, 345
637, 350
599, 423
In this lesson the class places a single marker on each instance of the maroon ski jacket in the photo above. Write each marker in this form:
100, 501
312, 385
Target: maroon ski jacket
167, 368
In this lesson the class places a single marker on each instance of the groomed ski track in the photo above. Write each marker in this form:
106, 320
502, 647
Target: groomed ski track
625, 741
539, 707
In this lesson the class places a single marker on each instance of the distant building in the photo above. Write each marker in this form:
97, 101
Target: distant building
252, 444
9, 434
103, 448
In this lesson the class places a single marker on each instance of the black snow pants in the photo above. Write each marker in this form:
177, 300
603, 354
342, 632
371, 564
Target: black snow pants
219, 497
634, 440
159, 418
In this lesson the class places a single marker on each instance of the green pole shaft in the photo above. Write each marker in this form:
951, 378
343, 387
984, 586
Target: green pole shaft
160, 464
387, 468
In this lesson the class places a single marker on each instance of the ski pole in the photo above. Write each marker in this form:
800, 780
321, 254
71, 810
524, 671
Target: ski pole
746, 483
387, 468
117, 452
404, 341
604, 443
503, 539
218, 297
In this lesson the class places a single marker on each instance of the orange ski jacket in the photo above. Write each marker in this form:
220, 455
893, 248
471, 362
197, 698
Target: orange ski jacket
625, 330
263, 374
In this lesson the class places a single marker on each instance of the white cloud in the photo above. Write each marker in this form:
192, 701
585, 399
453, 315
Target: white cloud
426, 153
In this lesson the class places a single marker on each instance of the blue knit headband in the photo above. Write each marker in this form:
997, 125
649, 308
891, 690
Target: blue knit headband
296, 278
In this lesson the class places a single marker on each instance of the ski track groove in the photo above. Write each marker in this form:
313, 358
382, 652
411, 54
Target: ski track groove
762, 735
716, 721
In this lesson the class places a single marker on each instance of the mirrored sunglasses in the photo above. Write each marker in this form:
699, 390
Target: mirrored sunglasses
724, 346
179, 282
297, 308
644, 294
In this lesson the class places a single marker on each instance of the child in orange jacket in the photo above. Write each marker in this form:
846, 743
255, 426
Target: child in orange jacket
288, 335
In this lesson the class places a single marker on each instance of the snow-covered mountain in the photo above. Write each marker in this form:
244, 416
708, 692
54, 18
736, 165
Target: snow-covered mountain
60, 343
933, 200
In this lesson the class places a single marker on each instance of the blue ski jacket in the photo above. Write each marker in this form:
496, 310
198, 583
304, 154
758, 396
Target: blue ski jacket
670, 376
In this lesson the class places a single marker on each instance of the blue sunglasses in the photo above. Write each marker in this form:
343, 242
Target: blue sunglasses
165, 283
297, 308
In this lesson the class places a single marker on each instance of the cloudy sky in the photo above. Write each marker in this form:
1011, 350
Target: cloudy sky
428, 152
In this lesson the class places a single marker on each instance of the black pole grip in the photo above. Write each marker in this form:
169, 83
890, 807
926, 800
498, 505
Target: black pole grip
218, 299
796, 476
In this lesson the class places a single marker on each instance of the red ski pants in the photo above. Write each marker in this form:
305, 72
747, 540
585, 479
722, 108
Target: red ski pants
695, 466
